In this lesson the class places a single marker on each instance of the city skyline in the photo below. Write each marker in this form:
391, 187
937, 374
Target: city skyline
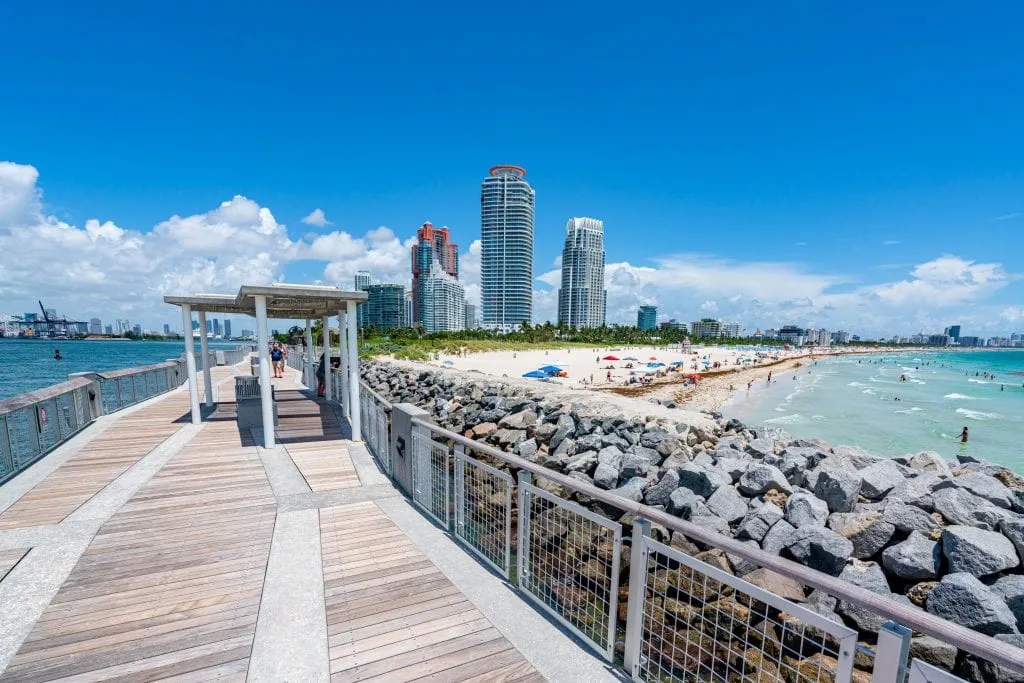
782, 176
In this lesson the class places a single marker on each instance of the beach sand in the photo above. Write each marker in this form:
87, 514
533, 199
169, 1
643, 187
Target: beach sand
585, 369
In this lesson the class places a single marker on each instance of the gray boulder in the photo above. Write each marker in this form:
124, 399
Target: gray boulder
1011, 589
712, 522
976, 551
760, 448
794, 467
685, 503
1013, 529
606, 476
728, 504
963, 599
839, 489
933, 651
907, 518
974, 668
832, 463
804, 509
778, 537
929, 462
632, 490
527, 449
520, 420
915, 558
868, 532
757, 524
582, 462
856, 456
702, 480
960, 506
635, 464
880, 478
819, 548
658, 494
918, 490
987, 487
610, 455
733, 467
760, 478
870, 576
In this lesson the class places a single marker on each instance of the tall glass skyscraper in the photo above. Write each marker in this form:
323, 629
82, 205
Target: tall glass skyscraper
581, 300
647, 318
362, 284
506, 257
384, 307
433, 245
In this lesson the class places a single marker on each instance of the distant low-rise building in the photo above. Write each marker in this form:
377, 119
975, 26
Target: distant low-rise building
791, 334
95, 326
706, 328
732, 331
939, 340
167, 330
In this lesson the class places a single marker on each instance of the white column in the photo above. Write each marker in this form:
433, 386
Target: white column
204, 351
353, 370
263, 348
327, 356
342, 353
310, 378
190, 364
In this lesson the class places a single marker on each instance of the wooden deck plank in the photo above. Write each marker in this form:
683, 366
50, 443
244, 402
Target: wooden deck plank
391, 613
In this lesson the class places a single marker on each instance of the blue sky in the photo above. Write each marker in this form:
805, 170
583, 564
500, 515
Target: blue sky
846, 147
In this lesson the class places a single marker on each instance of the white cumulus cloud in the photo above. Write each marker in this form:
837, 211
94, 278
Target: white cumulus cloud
317, 218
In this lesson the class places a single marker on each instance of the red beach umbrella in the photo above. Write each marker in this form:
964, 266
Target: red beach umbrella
609, 358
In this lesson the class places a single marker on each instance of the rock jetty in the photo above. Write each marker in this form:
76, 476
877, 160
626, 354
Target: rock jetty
943, 536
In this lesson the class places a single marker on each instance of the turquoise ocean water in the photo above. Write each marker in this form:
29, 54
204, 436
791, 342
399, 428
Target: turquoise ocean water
852, 400
28, 363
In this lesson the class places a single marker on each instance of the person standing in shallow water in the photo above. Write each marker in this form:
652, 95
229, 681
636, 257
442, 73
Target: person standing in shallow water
963, 436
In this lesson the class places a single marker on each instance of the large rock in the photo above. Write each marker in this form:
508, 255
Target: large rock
631, 490
778, 537
606, 476
868, 532
933, 651
658, 494
929, 462
880, 478
960, 506
963, 599
760, 478
1013, 529
915, 558
805, 509
685, 503
870, 576
918, 490
702, 480
635, 464
728, 504
839, 489
761, 448
757, 523
1011, 589
987, 487
907, 518
610, 455
520, 420
856, 456
820, 548
582, 462
734, 467
973, 668
711, 522
976, 551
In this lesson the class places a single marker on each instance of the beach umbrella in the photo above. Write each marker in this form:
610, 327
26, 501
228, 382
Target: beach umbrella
695, 377
652, 365
678, 362
535, 374
630, 358
659, 365
653, 358
550, 369
449, 362
610, 358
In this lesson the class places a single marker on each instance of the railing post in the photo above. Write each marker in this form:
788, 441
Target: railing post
891, 653
523, 540
637, 597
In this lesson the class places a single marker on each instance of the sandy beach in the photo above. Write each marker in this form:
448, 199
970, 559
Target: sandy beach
647, 372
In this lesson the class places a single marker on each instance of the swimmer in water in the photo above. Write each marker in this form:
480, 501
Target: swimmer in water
56, 355
963, 436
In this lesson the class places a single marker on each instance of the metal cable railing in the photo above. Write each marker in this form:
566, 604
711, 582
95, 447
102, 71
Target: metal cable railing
662, 597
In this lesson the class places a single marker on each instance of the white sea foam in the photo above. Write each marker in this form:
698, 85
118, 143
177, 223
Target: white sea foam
855, 384
979, 381
869, 392
786, 419
976, 414
962, 397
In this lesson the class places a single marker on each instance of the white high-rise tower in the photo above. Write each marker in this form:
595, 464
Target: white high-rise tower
582, 298
506, 255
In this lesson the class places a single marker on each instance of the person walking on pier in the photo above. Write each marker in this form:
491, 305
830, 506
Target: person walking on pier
277, 357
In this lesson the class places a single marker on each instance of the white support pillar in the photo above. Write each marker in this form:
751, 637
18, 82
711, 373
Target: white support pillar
310, 379
353, 370
204, 351
190, 364
266, 391
343, 354
327, 357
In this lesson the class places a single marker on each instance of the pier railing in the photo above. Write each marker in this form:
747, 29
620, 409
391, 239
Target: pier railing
658, 596
34, 423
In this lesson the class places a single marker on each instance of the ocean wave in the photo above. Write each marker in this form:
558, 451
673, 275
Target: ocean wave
917, 381
786, 419
963, 397
979, 381
855, 384
976, 414
869, 392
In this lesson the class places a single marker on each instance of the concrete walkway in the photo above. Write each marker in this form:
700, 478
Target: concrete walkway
148, 548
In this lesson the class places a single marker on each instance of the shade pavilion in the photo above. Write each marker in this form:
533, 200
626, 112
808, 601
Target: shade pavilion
277, 301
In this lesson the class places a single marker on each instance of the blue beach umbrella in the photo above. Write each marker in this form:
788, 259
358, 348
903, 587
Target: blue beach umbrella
550, 369
535, 374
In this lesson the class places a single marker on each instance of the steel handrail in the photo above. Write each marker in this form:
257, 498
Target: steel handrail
959, 636
30, 398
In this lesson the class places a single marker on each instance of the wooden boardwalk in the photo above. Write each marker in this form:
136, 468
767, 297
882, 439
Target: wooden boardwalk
170, 583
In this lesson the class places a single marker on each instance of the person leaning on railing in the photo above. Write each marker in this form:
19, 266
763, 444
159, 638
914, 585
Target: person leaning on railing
320, 386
